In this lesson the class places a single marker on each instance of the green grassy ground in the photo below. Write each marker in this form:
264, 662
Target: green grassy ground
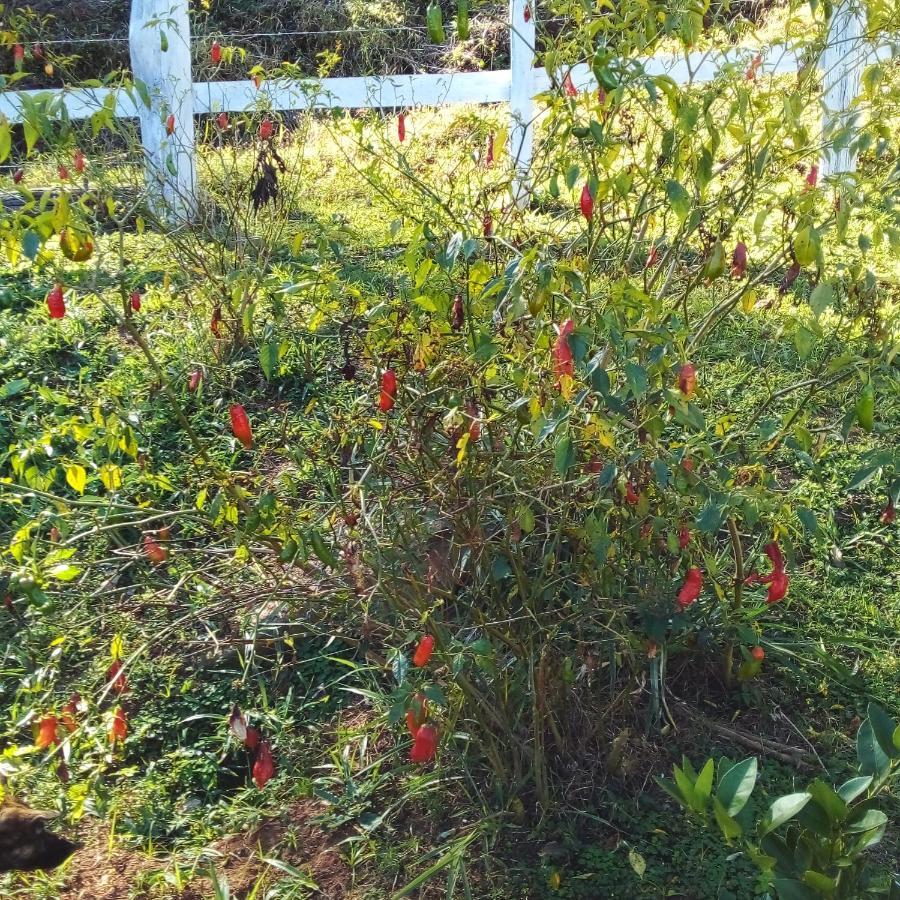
166, 801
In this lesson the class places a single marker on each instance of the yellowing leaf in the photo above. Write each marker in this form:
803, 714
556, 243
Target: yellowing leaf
748, 301
566, 386
111, 476
76, 478
117, 647
376, 424
462, 445
724, 424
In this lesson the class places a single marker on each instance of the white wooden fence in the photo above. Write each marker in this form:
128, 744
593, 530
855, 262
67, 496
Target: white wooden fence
160, 42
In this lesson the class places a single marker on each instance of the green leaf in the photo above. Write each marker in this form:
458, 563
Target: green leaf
821, 298
679, 199
31, 243
808, 519
790, 889
435, 694
5, 139
872, 759
825, 797
729, 826
11, 388
564, 456
672, 790
886, 731
783, 809
865, 407
64, 572
268, 359
863, 476
710, 519
637, 379
851, 789
736, 785
866, 820
819, 882
703, 784
637, 862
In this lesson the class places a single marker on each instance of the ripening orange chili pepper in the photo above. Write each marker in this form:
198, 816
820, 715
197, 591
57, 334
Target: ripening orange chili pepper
69, 713
423, 651
687, 380
115, 675
563, 359
170, 124
240, 425
690, 589
119, 727
569, 86
263, 766
153, 551
758, 654
388, 396
424, 744
78, 162
47, 733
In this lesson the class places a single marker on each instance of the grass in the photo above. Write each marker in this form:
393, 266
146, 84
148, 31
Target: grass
180, 784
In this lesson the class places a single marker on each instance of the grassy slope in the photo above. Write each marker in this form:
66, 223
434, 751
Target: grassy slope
182, 786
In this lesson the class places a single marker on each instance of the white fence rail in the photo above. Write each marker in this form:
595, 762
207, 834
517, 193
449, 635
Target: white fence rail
169, 158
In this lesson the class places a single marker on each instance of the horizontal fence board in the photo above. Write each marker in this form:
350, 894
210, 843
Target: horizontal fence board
406, 90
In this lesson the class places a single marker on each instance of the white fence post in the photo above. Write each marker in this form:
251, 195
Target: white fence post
160, 44
521, 94
842, 61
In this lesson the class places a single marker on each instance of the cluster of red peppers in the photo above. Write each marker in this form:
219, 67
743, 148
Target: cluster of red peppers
777, 579
263, 762
424, 735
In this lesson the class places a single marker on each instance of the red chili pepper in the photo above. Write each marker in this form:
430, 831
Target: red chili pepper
222, 120
423, 651
889, 513
563, 360
812, 177
69, 713
56, 303
778, 581
487, 226
458, 313
257, 81
401, 127
215, 53
216, 321
240, 425
778, 587
687, 464
47, 735
135, 300
252, 738
684, 537
739, 260
569, 86
631, 495
266, 129
652, 258
594, 466
37, 51
116, 676
587, 203
18, 175
773, 551
264, 765
474, 424
690, 590
119, 727
489, 156
601, 96
758, 654
687, 380
78, 162
388, 391
424, 744
18, 55
153, 551
194, 380
526, 14
63, 173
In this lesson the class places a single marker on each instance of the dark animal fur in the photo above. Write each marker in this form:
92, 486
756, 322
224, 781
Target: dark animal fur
25, 844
